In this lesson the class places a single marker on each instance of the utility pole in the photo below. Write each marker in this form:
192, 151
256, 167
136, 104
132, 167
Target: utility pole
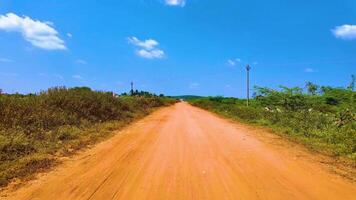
132, 89
248, 68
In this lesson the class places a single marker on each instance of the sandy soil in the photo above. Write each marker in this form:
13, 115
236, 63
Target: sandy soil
183, 152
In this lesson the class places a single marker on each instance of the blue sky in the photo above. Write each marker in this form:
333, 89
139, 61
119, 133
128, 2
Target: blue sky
175, 46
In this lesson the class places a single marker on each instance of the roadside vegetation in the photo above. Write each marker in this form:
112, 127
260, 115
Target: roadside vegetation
37, 129
323, 118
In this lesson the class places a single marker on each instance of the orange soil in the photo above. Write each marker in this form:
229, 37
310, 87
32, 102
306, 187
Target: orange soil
183, 152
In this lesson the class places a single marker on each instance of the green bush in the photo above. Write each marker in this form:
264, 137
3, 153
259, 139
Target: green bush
61, 120
325, 121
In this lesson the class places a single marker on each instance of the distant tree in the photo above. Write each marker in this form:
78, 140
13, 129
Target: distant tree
0, 91
325, 89
291, 91
352, 83
312, 88
88, 89
134, 92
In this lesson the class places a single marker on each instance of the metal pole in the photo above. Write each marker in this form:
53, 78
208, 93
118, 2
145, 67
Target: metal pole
132, 88
248, 68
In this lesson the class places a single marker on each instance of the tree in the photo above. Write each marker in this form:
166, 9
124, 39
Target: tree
0, 91
311, 87
352, 83
291, 91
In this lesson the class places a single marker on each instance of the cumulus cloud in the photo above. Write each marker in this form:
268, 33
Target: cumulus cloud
39, 34
150, 54
147, 44
175, 2
147, 48
346, 32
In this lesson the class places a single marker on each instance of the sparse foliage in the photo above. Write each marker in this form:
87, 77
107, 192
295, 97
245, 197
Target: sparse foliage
312, 88
325, 121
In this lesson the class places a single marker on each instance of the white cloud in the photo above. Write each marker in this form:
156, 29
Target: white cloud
147, 44
39, 34
194, 86
147, 48
309, 70
150, 54
81, 61
69, 35
5, 60
77, 77
233, 62
346, 32
175, 2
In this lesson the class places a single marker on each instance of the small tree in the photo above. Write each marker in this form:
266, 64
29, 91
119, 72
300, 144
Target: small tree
311, 87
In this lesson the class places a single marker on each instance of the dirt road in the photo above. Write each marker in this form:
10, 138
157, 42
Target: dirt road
183, 152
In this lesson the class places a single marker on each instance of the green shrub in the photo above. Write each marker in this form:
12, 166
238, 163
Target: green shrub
324, 121
37, 126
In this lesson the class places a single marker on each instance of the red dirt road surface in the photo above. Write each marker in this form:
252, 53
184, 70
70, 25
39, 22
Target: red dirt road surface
183, 152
